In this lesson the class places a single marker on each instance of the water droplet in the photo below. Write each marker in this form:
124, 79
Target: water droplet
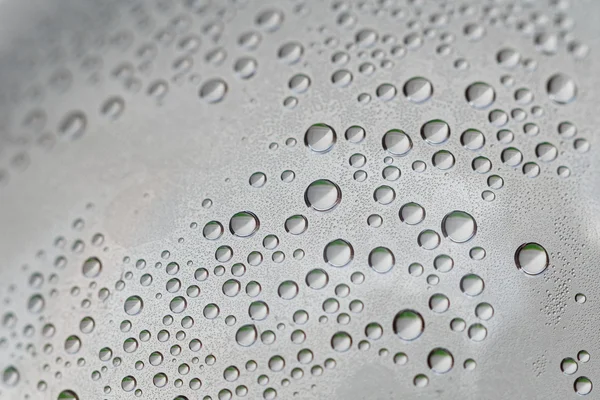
92, 267
443, 160
245, 67
397, 142
73, 125
290, 52
317, 279
583, 386
214, 90
322, 195
568, 366
381, 259
11, 376
244, 224
439, 303
338, 253
133, 305
269, 20
531, 258
440, 360
355, 134
418, 90
511, 156
212, 230
428, 239
508, 58
386, 92
472, 285
113, 107
472, 139
480, 95
561, 89
384, 195
408, 325
412, 213
299, 83
435, 131
320, 138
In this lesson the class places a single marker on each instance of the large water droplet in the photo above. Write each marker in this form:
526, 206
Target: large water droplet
133, 305
435, 131
408, 325
214, 90
381, 259
418, 90
322, 195
480, 95
244, 224
92, 267
397, 142
459, 226
11, 376
531, 258
561, 89
440, 360
320, 138
338, 253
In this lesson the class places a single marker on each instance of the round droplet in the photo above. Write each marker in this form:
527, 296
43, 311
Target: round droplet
92, 267
299, 83
439, 303
342, 78
472, 285
341, 341
459, 226
212, 230
440, 360
480, 95
568, 366
269, 20
322, 195
561, 89
355, 134
408, 325
418, 90
338, 253
428, 239
381, 259
386, 91
288, 290
317, 279
320, 138
214, 90
531, 258
511, 156
296, 224
11, 376
435, 131
546, 152
290, 53
133, 305
472, 139
245, 67
508, 58
412, 213
73, 125
397, 142
443, 160
244, 224
384, 195
113, 107
583, 386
